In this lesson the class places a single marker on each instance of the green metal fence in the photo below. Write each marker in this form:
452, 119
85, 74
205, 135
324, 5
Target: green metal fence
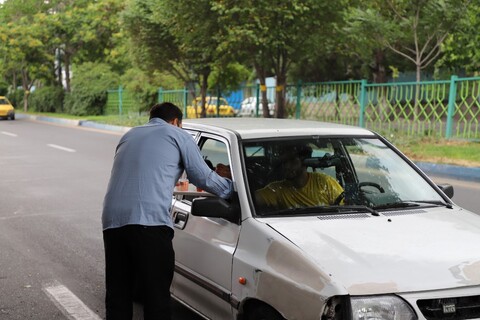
122, 103
449, 108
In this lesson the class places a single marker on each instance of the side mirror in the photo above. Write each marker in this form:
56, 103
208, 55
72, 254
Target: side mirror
447, 189
216, 208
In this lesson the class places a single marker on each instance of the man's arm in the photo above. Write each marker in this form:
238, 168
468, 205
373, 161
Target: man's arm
200, 174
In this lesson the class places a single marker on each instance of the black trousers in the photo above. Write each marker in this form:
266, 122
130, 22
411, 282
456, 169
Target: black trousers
141, 258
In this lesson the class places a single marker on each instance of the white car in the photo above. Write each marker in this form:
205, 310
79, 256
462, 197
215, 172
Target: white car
393, 246
248, 108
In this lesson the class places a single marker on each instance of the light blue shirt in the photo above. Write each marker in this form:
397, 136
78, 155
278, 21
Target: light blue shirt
148, 161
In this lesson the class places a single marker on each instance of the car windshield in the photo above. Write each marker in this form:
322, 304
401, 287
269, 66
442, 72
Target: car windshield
291, 176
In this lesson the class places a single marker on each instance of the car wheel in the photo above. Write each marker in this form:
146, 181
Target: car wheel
12, 117
262, 312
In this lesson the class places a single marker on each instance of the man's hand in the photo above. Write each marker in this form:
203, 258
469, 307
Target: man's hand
223, 171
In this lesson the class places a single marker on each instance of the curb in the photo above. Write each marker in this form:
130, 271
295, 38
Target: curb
48, 119
108, 127
441, 170
79, 123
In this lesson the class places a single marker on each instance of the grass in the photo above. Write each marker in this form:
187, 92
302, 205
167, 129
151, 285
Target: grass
124, 121
426, 149
443, 151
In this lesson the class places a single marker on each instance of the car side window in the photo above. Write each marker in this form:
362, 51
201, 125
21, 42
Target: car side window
214, 152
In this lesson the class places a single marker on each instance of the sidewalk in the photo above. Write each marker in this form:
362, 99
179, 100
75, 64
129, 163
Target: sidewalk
434, 169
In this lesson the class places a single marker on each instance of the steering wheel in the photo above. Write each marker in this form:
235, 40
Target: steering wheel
371, 184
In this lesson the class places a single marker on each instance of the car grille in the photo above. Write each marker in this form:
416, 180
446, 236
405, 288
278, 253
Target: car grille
451, 308
402, 212
348, 216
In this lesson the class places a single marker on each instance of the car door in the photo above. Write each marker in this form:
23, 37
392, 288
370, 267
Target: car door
204, 248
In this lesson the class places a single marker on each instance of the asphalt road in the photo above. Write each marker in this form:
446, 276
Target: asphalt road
53, 179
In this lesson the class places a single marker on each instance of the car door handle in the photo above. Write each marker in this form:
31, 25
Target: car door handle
180, 219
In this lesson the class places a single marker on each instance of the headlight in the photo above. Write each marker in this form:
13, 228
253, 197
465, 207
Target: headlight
381, 308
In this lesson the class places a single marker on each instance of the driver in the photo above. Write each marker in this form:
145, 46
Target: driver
299, 188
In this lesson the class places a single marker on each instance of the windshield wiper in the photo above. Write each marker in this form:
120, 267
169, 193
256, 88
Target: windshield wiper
412, 203
395, 205
435, 202
322, 210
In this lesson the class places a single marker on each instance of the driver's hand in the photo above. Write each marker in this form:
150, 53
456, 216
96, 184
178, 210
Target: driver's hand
223, 171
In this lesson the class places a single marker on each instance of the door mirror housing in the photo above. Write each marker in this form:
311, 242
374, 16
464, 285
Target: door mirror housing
217, 208
447, 189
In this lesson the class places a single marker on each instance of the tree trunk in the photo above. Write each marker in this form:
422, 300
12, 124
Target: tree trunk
67, 72
203, 91
417, 102
280, 95
262, 75
380, 76
264, 98
25, 90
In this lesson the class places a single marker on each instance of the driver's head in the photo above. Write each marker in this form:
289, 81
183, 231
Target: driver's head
292, 160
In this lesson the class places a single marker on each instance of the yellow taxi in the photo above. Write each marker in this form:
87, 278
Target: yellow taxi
6, 109
224, 109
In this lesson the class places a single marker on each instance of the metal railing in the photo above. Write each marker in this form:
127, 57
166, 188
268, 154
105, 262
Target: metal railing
447, 108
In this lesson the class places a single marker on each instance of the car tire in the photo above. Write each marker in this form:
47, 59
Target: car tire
262, 312
12, 117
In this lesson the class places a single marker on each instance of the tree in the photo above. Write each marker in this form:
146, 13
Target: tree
273, 34
82, 32
175, 36
413, 29
24, 58
461, 51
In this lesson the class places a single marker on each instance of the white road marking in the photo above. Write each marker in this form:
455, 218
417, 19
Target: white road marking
61, 148
69, 303
9, 134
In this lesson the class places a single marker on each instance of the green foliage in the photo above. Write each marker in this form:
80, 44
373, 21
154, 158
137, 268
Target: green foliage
47, 99
228, 78
140, 84
461, 50
414, 30
16, 97
89, 89
151, 42
3, 87
214, 42
181, 38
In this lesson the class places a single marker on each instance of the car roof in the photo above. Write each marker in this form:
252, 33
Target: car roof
254, 128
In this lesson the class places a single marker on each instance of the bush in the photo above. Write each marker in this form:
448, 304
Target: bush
3, 87
16, 98
47, 99
139, 84
89, 87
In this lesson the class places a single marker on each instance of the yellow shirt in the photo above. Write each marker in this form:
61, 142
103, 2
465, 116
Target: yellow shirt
320, 190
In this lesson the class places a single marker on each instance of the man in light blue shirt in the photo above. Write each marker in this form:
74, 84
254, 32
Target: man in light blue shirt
137, 226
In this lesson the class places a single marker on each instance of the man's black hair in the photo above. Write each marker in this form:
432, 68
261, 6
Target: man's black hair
166, 111
302, 151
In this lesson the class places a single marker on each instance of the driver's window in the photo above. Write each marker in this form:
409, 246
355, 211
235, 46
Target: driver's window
215, 154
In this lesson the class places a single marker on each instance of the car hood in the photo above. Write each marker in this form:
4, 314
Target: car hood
410, 250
